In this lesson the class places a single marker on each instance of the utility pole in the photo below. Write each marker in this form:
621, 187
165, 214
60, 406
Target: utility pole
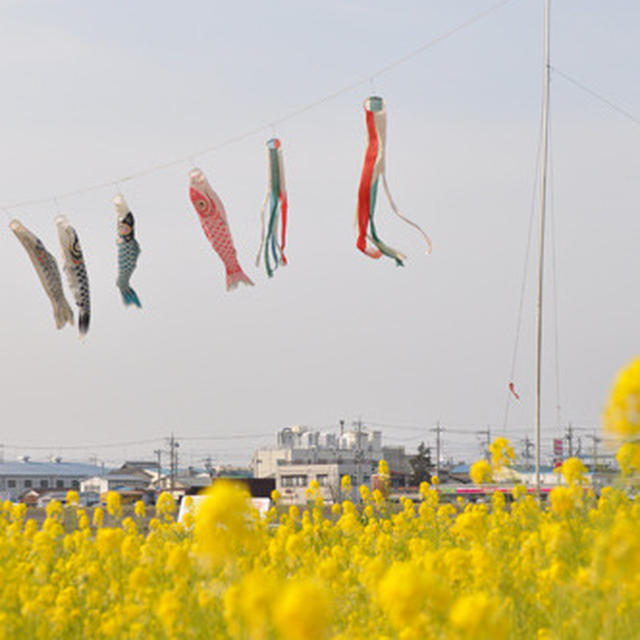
486, 432
158, 453
173, 462
543, 207
438, 429
569, 438
527, 452
358, 460
595, 439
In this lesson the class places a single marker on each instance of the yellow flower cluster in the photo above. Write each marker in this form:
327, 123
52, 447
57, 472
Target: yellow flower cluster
481, 472
622, 417
502, 455
375, 570
622, 413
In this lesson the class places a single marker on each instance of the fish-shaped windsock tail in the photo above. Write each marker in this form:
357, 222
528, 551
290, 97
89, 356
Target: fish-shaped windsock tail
129, 296
63, 313
373, 169
48, 273
234, 278
83, 323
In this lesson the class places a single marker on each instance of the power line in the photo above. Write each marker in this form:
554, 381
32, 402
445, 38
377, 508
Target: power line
106, 445
271, 123
244, 436
128, 443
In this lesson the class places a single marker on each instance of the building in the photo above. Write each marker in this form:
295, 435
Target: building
302, 456
131, 475
186, 481
18, 477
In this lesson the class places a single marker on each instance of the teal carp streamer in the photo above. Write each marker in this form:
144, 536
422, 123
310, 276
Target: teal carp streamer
272, 248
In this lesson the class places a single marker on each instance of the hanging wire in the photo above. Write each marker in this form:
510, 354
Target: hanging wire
272, 123
596, 95
525, 271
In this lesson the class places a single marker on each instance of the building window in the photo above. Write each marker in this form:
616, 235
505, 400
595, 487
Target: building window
323, 479
44, 484
11, 484
75, 484
28, 484
59, 484
294, 481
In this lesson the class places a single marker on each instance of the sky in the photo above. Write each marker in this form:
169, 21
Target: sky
93, 92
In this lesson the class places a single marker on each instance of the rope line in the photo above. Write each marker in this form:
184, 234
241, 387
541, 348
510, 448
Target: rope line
525, 271
188, 158
596, 95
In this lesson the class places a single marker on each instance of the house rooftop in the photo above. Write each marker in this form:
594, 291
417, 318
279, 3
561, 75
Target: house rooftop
29, 468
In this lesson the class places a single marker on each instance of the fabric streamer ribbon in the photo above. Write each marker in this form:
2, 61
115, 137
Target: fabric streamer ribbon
276, 200
373, 169
512, 388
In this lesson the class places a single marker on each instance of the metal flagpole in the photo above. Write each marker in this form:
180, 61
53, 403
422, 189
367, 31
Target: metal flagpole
543, 203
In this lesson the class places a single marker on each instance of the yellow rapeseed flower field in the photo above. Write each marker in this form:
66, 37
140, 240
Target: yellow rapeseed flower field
431, 570
566, 570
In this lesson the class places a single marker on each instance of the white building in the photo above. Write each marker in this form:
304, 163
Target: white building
18, 477
302, 456
130, 476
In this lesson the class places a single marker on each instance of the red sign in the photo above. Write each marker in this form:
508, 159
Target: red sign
558, 447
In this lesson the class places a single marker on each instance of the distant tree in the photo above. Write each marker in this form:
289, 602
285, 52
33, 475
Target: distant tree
420, 465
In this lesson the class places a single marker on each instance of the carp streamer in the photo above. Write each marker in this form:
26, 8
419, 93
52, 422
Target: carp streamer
373, 169
276, 200
215, 225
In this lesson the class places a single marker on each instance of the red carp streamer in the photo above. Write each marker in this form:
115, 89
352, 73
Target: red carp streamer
213, 219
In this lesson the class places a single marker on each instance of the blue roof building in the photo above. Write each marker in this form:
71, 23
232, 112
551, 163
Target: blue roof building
18, 477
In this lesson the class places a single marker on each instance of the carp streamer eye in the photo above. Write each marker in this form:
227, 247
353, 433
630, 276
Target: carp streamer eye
202, 204
76, 252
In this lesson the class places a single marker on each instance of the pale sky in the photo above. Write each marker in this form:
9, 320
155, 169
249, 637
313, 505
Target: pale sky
96, 91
